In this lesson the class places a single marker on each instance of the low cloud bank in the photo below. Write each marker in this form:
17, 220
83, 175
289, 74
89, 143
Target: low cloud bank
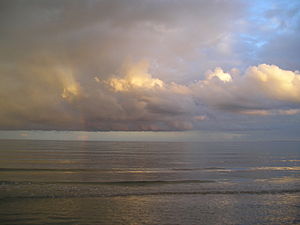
134, 99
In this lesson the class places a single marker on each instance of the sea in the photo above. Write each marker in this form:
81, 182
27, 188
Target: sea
149, 183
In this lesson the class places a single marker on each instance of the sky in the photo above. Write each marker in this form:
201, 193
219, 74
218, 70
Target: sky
150, 69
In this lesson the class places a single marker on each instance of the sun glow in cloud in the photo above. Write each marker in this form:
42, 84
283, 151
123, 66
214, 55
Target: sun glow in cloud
219, 73
137, 76
71, 90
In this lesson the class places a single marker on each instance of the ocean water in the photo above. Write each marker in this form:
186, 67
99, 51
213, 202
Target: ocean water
137, 183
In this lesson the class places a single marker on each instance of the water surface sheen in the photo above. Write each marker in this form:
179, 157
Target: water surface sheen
77, 182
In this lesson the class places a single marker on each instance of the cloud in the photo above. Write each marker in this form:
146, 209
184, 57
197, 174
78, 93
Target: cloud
136, 76
144, 65
261, 90
96, 37
135, 100
219, 74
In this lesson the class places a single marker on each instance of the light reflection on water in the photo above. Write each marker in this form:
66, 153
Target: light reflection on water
48, 182
183, 209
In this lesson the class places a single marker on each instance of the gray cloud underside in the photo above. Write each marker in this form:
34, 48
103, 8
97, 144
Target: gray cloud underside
144, 65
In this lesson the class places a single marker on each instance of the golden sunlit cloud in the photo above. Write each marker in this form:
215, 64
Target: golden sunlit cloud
256, 112
277, 83
271, 112
219, 73
137, 76
262, 90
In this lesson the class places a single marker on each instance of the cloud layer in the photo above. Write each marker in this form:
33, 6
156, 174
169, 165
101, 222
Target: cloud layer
136, 100
148, 65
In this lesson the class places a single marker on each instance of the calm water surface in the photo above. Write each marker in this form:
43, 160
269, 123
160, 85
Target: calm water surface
136, 183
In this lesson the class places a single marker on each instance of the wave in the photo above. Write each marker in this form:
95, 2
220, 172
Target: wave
107, 170
142, 182
224, 192
152, 170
